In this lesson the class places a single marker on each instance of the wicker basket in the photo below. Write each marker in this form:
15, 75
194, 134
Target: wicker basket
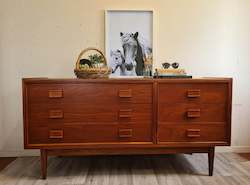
100, 72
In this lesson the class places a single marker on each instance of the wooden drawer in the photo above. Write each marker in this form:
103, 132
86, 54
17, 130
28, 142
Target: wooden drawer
192, 133
193, 92
90, 93
190, 112
86, 113
90, 133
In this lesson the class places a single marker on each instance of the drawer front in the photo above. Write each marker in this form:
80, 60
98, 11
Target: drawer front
90, 93
192, 133
90, 134
49, 114
184, 93
190, 112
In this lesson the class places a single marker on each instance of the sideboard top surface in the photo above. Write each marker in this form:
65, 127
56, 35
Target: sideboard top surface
128, 80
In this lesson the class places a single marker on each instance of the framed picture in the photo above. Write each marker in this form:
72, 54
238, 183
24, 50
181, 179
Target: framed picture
129, 42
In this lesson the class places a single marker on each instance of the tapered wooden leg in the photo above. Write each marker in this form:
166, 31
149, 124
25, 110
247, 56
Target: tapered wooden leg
211, 160
44, 158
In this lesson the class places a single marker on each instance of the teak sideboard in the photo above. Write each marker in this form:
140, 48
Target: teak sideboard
126, 116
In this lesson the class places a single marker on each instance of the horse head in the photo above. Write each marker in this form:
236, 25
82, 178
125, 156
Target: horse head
117, 59
130, 47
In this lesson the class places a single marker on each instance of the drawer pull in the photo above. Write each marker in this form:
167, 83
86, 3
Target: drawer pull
125, 113
125, 93
55, 114
56, 93
55, 134
194, 93
193, 133
125, 133
194, 113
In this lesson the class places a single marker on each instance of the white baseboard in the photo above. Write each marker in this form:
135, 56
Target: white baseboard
235, 149
24, 153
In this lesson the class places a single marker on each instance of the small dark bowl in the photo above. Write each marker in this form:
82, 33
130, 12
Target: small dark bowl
166, 65
175, 65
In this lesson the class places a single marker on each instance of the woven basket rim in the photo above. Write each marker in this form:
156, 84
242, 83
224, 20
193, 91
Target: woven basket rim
94, 69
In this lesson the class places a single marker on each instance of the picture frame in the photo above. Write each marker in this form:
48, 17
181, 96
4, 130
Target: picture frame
123, 30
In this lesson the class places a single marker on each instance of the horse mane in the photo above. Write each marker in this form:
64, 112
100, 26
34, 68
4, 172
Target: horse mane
141, 48
140, 58
146, 49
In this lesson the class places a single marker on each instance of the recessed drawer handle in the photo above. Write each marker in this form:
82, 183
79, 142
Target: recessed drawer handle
125, 93
55, 134
125, 133
55, 114
193, 133
194, 113
57, 93
125, 113
194, 93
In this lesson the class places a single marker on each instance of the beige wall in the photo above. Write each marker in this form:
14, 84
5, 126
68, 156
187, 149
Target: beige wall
43, 37
1, 122
1, 93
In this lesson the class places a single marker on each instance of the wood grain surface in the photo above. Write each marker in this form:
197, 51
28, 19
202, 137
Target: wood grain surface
111, 116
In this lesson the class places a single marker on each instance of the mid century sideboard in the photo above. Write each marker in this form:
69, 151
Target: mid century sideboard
120, 116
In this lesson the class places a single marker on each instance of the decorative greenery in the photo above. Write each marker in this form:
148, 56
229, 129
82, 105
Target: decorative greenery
96, 59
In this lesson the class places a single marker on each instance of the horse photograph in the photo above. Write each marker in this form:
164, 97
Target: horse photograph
129, 43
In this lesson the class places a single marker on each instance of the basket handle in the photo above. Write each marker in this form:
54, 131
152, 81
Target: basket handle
86, 50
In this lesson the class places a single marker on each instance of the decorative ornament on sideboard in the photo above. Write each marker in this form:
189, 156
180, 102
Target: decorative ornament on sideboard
94, 66
171, 70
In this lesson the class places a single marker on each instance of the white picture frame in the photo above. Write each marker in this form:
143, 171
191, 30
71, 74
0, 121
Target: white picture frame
137, 22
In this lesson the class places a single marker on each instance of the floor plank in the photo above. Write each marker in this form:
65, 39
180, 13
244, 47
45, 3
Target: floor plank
180, 169
5, 161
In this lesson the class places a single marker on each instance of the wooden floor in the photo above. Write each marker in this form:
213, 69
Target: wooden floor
230, 169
